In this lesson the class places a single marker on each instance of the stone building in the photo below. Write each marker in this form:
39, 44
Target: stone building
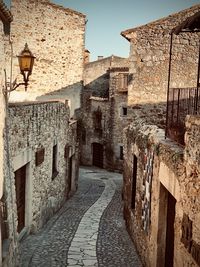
44, 166
149, 61
5, 19
162, 173
104, 112
55, 35
39, 148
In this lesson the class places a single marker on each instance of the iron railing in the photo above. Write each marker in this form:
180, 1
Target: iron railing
181, 102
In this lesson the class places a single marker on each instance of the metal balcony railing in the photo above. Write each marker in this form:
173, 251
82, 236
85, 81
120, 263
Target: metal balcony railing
181, 102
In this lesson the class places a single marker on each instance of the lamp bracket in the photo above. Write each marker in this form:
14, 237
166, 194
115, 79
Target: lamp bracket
9, 86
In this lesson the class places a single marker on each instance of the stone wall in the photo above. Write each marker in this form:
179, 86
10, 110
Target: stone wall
34, 130
101, 95
192, 151
2, 111
163, 169
5, 19
149, 62
55, 35
2, 117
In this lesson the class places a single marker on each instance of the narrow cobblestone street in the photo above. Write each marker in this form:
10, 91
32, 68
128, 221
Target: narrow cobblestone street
88, 231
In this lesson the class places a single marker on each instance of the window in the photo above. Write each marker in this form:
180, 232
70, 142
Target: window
121, 153
134, 178
54, 162
124, 111
123, 82
39, 156
83, 136
97, 117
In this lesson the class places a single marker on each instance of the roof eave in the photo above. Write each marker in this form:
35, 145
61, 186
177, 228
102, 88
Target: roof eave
5, 14
123, 34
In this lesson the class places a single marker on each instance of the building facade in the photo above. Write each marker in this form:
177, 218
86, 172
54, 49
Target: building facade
149, 65
43, 173
5, 20
104, 112
161, 176
38, 144
55, 36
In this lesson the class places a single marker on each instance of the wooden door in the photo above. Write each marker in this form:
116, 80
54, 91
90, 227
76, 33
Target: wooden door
169, 248
20, 187
134, 182
70, 165
98, 155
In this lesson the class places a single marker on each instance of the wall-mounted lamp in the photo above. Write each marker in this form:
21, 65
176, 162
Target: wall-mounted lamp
26, 61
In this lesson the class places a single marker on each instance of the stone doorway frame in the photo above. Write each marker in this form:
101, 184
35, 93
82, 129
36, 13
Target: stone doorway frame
22, 159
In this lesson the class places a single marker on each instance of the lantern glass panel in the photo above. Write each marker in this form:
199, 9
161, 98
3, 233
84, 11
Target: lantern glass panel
25, 63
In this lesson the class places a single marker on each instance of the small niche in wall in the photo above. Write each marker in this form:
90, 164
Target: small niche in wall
39, 156
66, 152
124, 111
186, 238
54, 161
121, 153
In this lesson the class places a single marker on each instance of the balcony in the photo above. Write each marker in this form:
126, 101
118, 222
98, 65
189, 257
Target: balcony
181, 102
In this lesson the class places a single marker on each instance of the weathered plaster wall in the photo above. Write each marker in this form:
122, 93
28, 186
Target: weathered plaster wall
55, 35
149, 61
177, 171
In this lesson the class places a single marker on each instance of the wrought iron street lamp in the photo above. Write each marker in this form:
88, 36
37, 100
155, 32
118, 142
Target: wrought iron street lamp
26, 62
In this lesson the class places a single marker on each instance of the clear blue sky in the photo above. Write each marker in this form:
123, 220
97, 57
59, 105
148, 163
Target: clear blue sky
107, 18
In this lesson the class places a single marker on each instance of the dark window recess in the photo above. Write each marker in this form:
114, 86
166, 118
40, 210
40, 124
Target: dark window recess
124, 111
66, 153
83, 136
134, 179
186, 237
97, 117
39, 156
121, 153
3, 219
54, 162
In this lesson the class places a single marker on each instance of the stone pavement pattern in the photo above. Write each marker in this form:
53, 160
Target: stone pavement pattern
88, 231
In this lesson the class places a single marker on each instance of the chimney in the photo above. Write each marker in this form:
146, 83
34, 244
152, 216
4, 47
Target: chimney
86, 56
100, 57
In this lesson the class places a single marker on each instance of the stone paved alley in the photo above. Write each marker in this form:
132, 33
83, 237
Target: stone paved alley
88, 231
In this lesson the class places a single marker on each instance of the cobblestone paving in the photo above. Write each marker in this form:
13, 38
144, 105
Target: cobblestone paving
88, 231
114, 246
50, 246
